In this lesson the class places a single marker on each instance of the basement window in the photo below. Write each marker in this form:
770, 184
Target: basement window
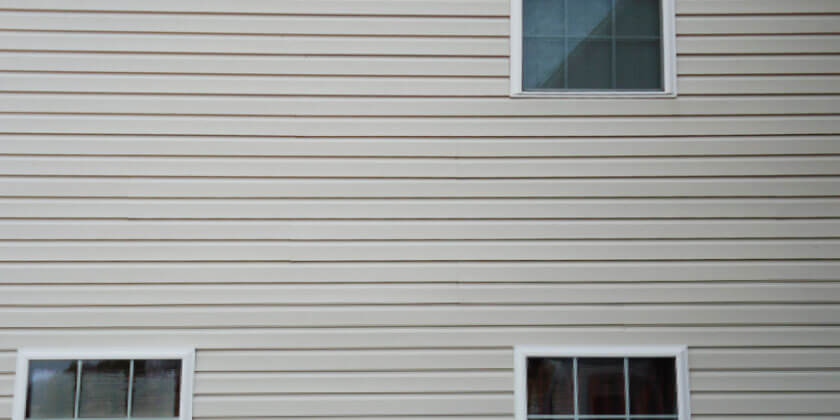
593, 48
114, 385
608, 383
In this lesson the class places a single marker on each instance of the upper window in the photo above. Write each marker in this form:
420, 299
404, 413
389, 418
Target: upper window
631, 383
592, 47
103, 385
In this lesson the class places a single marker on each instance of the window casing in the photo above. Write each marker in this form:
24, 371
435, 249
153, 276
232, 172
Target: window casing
103, 384
566, 48
620, 377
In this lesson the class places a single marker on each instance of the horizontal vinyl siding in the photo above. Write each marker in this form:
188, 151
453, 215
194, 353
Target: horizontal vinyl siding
339, 206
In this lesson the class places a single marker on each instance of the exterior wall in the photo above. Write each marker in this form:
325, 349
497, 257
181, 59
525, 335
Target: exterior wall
339, 206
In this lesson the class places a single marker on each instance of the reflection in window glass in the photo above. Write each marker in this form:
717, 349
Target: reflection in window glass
104, 391
550, 386
156, 388
51, 389
601, 386
592, 45
653, 386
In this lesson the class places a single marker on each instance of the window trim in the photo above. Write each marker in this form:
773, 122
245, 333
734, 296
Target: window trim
669, 59
522, 353
24, 355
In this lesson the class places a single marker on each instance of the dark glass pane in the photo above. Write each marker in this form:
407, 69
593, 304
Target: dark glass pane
104, 391
544, 62
653, 385
590, 64
638, 65
51, 391
601, 386
637, 18
590, 17
543, 17
156, 388
550, 386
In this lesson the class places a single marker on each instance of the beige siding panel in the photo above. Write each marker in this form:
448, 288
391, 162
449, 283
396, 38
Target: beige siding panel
766, 381
422, 315
261, 25
745, 64
285, 106
5, 407
770, 359
726, 25
417, 250
353, 360
256, 44
765, 85
419, 127
84, 295
749, 417
262, 65
6, 385
254, 85
368, 188
360, 230
426, 337
765, 403
429, 272
448, 147
765, 44
8, 361
413, 209
756, 6
418, 168
329, 7
349, 405
377, 417
352, 383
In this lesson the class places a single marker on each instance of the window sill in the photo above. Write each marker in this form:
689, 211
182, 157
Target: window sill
601, 95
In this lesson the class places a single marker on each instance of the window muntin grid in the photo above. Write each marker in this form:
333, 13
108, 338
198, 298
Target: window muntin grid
85, 379
670, 380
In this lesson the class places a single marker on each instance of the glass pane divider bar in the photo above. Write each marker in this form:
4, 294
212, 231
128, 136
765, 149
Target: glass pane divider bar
130, 386
614, 65
626, 365
78, 389
566, 53
575, 386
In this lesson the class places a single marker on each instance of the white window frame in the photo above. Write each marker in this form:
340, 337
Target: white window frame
522, 353
669, 61
186, 355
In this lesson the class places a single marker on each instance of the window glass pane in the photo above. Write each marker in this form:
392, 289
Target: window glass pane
589, 45
590, 64
637, 18
51, 392
638, 65
156, 388
601, 386
544, 62
653, 385
544, 17
590, 17
550, 386
104, 391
